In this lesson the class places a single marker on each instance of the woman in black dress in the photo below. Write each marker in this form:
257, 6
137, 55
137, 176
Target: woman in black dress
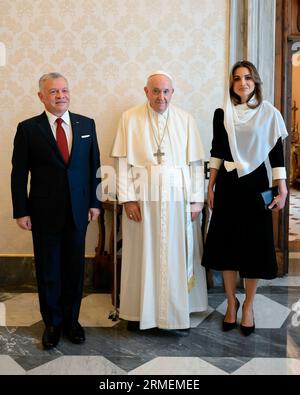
247, 132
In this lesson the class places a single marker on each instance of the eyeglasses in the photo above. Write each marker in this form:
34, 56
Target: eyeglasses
157, 92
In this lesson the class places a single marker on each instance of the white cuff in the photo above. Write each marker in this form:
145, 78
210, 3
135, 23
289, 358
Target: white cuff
279, 173
197, 182
215, 163
125, 184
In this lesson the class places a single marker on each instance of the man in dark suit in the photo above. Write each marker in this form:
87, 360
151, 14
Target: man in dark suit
60, 151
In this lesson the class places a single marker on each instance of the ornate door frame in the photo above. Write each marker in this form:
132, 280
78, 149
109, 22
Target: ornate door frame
287, 43
254, 36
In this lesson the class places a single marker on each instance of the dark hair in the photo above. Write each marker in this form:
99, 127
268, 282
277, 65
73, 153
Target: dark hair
257, 81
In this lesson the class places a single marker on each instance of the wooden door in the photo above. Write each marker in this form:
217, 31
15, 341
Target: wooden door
287, 43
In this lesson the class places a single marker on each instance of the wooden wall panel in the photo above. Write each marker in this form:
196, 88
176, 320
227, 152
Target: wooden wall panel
298, 17
295, 16
287, 18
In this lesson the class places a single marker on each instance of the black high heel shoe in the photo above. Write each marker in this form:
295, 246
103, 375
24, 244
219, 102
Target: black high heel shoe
227, 326
247, 330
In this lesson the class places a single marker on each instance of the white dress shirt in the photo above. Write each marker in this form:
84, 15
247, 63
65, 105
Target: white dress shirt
66, 124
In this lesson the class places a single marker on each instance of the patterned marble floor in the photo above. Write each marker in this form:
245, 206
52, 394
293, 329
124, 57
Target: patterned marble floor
110, 349
274, 348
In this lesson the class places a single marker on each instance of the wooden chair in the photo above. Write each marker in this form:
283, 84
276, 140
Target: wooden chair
104, 267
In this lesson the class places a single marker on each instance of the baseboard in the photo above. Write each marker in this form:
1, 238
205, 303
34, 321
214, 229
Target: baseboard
18, 273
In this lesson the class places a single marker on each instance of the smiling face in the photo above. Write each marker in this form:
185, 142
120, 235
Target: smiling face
159, 91
55, 96
243, 83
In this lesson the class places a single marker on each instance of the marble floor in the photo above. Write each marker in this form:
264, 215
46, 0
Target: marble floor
110, 349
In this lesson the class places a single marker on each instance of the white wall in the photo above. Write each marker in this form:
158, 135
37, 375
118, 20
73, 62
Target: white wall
106, 48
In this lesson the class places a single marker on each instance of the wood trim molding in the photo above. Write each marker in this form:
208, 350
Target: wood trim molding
298, 17
282, 102
294, 37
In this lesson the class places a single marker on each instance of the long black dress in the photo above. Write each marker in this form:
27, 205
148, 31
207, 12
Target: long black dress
240, 235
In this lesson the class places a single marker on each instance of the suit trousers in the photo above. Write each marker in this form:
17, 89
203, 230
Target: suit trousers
59, 262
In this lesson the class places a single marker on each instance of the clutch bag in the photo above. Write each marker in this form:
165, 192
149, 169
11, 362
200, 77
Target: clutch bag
268, 196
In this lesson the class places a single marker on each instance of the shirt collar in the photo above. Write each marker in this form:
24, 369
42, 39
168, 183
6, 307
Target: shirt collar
52, 118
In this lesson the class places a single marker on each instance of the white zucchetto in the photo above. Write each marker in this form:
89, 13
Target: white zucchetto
159, 72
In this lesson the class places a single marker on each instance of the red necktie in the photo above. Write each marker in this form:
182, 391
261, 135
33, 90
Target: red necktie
62, 140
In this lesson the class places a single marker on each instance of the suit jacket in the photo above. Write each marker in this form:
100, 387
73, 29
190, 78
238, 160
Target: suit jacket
54, 186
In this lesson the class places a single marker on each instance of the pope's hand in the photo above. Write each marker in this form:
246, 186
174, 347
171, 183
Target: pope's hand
196, 209
133, 211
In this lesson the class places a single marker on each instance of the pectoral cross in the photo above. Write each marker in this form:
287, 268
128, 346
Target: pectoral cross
159, 155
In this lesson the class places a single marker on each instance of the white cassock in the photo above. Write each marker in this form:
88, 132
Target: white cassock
162, 280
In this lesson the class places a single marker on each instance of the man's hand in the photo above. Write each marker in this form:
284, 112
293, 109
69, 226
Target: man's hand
93, 214
133, 211
196, 209
24, 223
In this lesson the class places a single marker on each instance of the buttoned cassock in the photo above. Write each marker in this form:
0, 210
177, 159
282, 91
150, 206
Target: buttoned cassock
161, 255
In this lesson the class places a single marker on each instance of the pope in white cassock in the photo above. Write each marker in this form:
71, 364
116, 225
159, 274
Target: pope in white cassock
161, 184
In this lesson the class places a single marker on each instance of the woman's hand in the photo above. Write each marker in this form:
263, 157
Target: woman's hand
210, 192
278, 202
210, 198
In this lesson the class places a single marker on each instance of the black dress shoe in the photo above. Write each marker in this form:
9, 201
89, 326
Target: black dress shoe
181, 332
247, 330
51, 337
227, 326
133, 326
75, 333
176, 332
